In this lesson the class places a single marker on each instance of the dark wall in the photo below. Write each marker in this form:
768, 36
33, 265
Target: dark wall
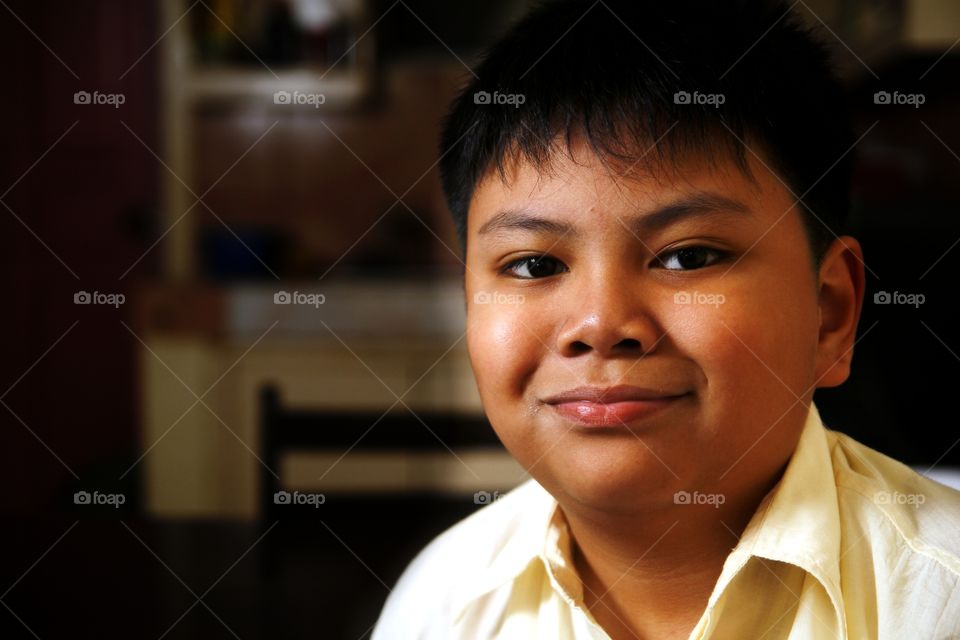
78, 190
906, 214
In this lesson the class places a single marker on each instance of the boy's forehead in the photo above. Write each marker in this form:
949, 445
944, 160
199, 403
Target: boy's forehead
581, 178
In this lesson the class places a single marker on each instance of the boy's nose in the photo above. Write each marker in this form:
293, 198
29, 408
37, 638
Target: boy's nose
610, 323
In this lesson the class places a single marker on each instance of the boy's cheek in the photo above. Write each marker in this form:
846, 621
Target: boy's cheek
743, 350
754, 369
710, 332
502, 348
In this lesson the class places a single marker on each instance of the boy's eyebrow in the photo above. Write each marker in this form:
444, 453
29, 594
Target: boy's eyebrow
699, 204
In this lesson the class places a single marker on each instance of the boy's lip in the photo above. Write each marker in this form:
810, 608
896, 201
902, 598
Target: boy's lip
610, 406
610, 395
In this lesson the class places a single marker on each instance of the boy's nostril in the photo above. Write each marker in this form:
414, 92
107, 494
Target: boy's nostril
627, 344
579, 347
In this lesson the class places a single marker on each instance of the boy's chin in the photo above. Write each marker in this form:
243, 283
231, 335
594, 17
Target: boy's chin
612, 483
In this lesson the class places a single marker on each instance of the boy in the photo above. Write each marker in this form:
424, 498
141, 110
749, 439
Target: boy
650, 196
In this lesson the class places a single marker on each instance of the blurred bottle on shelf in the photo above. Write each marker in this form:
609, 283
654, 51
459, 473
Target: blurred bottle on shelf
212, 31
281, 33
281, 37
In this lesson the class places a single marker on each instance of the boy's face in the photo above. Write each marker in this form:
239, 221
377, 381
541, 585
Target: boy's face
726, 334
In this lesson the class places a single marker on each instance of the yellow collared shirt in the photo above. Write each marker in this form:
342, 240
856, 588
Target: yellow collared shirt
849, 544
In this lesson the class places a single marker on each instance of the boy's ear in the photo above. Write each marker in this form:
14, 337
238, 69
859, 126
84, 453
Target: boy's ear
840, 300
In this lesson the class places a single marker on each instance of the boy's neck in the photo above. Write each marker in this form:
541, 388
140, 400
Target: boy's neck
651, 575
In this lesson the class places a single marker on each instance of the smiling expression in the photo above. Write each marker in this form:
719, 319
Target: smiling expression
636, 336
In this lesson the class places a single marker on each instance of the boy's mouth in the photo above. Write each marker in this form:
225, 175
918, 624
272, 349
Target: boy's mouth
610, 406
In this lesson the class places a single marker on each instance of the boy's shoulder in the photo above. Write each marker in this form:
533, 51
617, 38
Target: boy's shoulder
925, 514
466, 554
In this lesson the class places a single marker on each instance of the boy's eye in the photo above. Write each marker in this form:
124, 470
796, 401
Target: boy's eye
534, 267
689, 258
683, 259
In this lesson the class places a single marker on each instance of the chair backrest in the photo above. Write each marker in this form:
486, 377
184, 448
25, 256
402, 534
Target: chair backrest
284, 430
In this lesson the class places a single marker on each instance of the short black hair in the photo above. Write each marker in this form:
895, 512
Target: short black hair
627, 73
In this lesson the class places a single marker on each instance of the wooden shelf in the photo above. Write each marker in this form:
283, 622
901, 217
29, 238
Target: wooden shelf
187, 84
217, 85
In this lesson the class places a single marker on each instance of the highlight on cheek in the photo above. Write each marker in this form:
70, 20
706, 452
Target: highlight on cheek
507, 332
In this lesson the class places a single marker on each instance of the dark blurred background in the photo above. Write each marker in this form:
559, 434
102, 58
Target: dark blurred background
235, 395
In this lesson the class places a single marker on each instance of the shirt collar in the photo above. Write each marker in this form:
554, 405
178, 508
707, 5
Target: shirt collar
798, 522
524, 542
